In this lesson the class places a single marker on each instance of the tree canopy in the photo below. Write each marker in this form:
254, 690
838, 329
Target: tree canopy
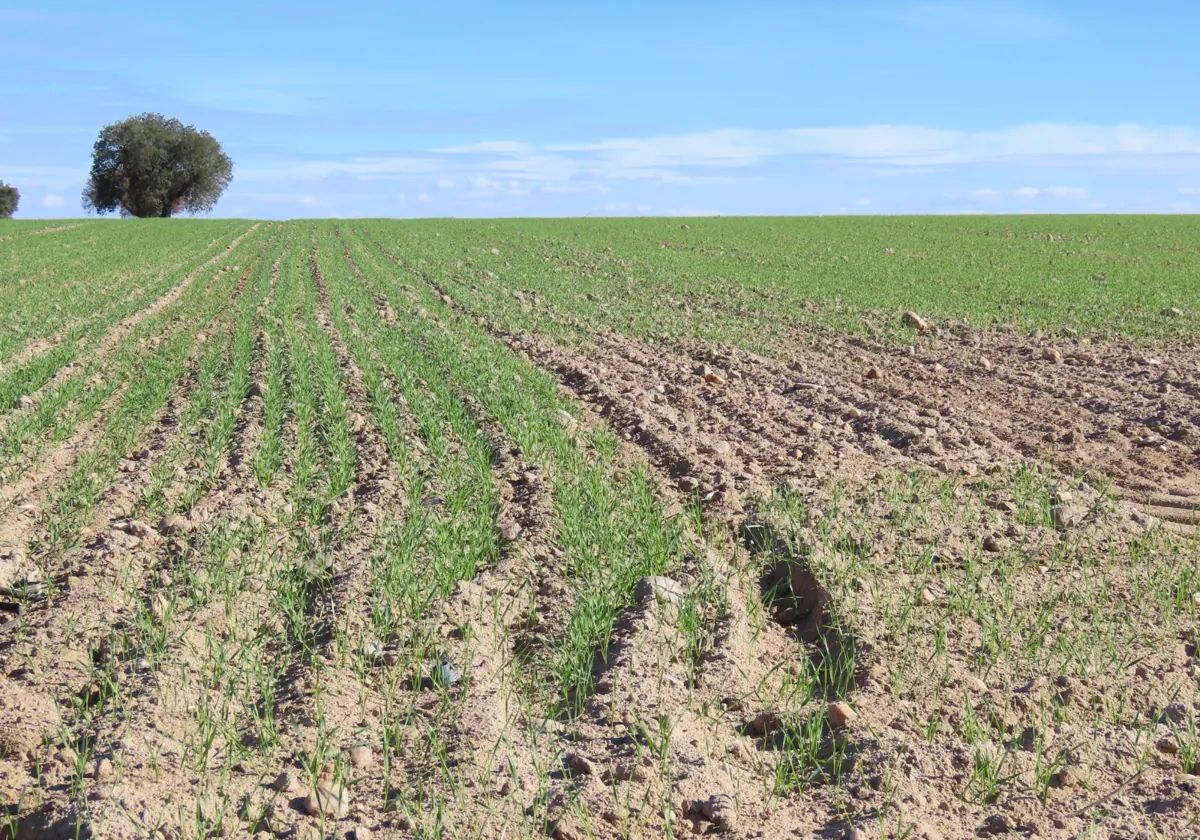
10, 197
150, 166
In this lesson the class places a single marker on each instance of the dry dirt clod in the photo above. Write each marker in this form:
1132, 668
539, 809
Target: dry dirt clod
566, 420
579, 765
765, 723
664, 590
840, 714
854, 413
329, 798
359, 832
985, 363
874, 373
927, 596
912, 319
362, 757
1168, 745
688, 483
714, 379
104, 769
1067, 516
1052, 354
720, 810
172, 525
510, 529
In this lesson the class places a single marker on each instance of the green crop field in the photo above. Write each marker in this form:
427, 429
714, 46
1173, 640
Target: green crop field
771, 527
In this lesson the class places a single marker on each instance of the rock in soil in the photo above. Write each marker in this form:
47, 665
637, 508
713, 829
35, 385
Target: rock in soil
566, 420
1067, 516
765, 723
172, 525
330, 799
912, 319
362, 757
580, 766
840, 714
665, 590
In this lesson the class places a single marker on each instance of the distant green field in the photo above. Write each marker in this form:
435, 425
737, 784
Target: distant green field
749, 280
1109, 274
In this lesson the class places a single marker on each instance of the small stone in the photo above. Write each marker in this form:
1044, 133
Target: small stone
721, 810
996, 824
448, 673
993, 544
1172, 312
662, 589
362, 757
912, 319
688, 483
509, 529
172, 525
976, 685
874, 373
330, 799
496, 252
359, 832
566, 420
580, 766
765, 723
927, 596
1063, 778
25, 401
854, 413
1052, 354
714, 379
840, 714
984, 362
1066, 516
104, 769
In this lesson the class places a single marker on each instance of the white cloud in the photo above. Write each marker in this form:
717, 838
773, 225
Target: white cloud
52, 200
1189, 190
496, 167
423, 197
499, 147
304, 200
1068, 192
400, 196
1029, 193
364, 169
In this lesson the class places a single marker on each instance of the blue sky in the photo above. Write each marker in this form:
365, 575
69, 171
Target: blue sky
623, 108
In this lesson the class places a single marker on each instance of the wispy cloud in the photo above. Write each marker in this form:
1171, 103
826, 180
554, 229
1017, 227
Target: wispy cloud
52, 200
495, 169
988, 195
302, 199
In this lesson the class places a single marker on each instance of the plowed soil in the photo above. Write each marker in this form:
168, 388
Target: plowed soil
984, 544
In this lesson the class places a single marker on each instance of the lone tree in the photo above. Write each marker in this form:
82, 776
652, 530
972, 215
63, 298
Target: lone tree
153, 167
10, 197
